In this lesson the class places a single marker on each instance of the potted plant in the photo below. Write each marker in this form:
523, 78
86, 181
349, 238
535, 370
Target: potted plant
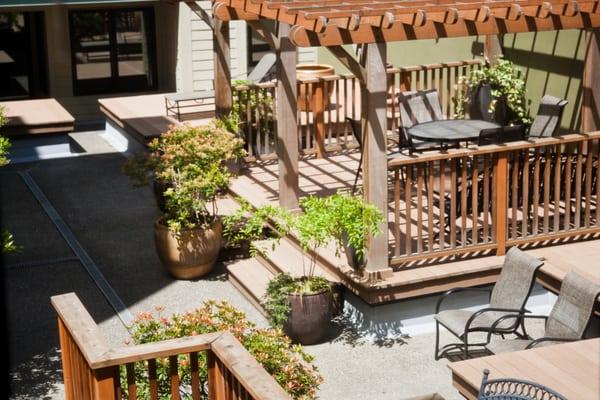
190, 164
494, 92
353, 221
247, 225
7, 239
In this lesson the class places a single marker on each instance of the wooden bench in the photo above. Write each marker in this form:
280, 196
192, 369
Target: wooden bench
175, 102
32, 117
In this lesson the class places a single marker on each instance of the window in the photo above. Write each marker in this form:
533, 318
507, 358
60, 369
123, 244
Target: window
23, 68
112, 51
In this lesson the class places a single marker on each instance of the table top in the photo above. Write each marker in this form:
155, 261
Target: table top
571, 369
450, 130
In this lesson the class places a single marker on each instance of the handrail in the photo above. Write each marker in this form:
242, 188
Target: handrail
403, 159
79, 326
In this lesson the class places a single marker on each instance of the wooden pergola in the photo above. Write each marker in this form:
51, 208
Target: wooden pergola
372, 23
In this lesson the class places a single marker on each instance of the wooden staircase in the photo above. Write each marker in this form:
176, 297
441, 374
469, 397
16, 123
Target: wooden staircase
251, 276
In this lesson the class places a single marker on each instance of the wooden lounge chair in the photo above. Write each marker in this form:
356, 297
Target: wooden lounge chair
567, 321
514, 389
508, 297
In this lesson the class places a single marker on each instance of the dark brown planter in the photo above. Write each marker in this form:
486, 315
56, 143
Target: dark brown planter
353, 260
190, 253
309, 318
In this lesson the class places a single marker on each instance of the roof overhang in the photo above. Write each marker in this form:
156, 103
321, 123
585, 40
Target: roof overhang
6, 4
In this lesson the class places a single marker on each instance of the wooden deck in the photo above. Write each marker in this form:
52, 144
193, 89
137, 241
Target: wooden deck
571, 369
259, 185
32, 117
144, 117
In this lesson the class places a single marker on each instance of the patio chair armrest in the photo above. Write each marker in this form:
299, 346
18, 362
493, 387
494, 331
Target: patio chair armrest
520, 314
456, 290
515, 314
548, 339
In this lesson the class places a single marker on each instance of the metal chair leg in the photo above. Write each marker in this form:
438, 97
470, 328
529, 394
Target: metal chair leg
466, 344
437, 340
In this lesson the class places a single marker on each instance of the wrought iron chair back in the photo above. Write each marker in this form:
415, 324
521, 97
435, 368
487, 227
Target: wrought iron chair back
514, 389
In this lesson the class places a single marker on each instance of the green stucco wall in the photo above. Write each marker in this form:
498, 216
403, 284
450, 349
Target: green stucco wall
552, 62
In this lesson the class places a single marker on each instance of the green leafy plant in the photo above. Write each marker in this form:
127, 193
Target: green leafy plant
506, 84
352, 221
190, 163
337, 217
247, 224
8, 242
288, 364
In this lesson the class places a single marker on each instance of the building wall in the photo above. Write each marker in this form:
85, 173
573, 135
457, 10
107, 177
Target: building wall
551, 62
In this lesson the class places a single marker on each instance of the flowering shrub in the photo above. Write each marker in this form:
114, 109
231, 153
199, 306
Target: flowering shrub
190, 162
287, 363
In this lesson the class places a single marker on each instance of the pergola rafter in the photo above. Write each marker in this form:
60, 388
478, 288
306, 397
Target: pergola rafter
329, 23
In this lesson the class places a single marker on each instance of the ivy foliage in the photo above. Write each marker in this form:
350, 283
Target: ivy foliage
506, 84
8, 242
287, 363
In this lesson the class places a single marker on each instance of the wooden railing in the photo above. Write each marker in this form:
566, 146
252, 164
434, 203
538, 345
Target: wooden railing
488, 198
91, 367
322, 125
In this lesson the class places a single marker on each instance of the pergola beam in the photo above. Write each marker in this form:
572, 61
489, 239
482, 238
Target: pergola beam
349, 62
366, 33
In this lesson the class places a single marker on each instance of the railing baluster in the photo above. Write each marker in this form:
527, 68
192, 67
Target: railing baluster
568, 184
596, 146
486, 197
536, 192
131, 385
407, 201
453, 184
152, 379
195, 375
525, 185
420, 168
515, 194
463, 201
588, 184
557, 188
474, 200
442, 216
547, 169
397, 212
578, 176
174, 378
430, 208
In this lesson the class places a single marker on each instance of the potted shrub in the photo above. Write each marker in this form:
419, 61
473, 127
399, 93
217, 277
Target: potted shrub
8, 242
303, 305
352, 222
190, 164
289, 364
494, 92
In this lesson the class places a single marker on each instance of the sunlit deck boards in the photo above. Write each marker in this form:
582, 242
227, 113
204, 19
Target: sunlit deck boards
144, 116
26, 117
571, 369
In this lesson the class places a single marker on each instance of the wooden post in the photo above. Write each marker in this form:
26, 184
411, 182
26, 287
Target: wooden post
287, 115
222, 66
492, 48
319, 112
373, 108
106, 383
590, 108
500, 201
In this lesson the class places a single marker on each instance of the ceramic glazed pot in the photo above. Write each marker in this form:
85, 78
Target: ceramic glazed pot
309, 318
311, 71
191, 253
353, 260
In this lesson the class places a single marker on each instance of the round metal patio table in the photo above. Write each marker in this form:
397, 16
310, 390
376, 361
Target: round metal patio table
450, 130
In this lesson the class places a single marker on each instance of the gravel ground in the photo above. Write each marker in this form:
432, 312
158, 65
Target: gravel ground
113, 222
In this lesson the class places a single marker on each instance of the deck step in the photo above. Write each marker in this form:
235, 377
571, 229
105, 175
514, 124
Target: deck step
287, 257
250, 277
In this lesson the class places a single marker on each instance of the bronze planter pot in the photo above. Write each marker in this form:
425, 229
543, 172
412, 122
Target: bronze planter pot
309, 318
191, 253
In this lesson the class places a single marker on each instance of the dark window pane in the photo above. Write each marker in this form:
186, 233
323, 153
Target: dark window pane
91, 42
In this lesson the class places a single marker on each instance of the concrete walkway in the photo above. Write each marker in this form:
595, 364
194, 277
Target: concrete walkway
112, 221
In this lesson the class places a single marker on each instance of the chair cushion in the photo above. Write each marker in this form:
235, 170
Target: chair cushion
506, 346
456, 320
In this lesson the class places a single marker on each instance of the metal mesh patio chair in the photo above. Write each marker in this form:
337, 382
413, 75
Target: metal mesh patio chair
567, 321
514, 389
548, 117
508, 297
417, 107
